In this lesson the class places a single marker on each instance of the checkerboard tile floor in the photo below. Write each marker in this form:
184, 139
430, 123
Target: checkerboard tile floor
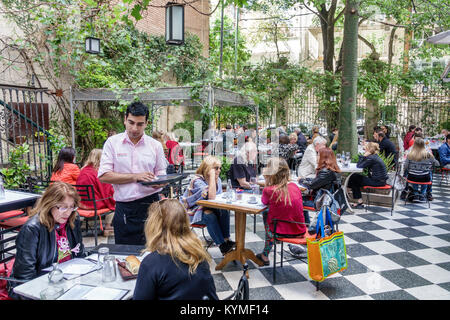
405, 256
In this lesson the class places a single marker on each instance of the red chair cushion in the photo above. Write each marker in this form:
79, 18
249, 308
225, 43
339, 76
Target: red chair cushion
299, 240
91, 213
415, 182
380, 188
201, 226
10, 214
14, 222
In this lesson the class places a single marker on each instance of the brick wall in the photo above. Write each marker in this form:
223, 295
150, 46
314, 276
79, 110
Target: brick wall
153, 21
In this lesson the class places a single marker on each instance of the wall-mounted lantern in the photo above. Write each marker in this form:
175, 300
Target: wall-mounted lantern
174, 23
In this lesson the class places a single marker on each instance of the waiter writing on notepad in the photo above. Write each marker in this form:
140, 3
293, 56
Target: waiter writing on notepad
129, 158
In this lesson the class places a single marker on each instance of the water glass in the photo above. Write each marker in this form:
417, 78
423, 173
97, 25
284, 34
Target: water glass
51, 293
109, 269
102, 253
338, 157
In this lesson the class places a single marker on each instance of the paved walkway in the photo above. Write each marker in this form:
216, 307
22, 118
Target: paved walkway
405, 256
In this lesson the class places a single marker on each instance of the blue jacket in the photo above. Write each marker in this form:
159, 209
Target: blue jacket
444, 154
197, 190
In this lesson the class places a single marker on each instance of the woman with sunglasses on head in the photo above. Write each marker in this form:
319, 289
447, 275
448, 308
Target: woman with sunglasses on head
177, 266
51, 234
205, 185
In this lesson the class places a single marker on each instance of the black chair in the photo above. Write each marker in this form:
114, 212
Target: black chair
7, 256
87, 194
242, 291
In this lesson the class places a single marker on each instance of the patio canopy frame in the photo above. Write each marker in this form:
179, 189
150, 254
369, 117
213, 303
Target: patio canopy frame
209, 97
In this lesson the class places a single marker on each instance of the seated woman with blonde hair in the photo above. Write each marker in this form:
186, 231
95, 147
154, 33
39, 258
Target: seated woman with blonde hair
177, 266
205, 185
284, 200
102, 191
377, 172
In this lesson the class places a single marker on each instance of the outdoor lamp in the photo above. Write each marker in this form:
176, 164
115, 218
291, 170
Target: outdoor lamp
425, 89
333, 98
174, 23
92, 45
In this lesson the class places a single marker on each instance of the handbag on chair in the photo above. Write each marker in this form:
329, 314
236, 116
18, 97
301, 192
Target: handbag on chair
326, 255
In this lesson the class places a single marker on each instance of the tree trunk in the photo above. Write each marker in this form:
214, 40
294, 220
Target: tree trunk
348, 138
371, 117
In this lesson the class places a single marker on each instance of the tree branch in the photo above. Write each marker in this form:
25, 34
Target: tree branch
370, 45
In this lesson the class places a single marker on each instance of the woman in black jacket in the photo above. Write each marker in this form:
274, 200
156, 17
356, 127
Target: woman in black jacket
377, 173
327, 176
52, 234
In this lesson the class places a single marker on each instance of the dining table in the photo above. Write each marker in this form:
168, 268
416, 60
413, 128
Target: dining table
120, 288
350, 168
15, 200
241, 208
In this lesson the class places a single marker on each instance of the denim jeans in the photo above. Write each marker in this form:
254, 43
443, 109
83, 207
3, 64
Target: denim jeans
423, 189
218, 224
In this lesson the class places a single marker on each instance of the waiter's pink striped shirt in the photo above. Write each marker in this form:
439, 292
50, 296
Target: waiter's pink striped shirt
123, 156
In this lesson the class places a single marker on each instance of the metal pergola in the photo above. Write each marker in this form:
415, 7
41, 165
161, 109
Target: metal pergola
209, 97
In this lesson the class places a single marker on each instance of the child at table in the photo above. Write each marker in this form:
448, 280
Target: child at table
284, 200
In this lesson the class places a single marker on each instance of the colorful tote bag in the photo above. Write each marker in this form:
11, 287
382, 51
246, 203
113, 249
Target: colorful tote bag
326, 255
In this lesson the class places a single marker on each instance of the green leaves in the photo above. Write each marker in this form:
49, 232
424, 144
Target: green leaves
15, 175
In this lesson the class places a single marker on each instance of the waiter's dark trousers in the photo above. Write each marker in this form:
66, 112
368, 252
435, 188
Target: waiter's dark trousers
129, 220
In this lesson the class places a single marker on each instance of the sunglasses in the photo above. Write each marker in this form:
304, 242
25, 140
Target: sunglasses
217, 168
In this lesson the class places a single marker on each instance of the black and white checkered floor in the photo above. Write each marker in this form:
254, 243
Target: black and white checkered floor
405, 256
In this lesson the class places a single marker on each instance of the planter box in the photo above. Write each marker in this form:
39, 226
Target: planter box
382, 198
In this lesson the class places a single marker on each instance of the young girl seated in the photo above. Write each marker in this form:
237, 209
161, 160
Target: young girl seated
284, 199
206, 184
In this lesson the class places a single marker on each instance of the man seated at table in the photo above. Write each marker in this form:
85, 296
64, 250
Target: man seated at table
242, 168
386, 146
444, 153
307, 168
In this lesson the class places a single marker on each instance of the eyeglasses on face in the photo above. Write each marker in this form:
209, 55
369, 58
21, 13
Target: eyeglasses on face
63, 209
217, 168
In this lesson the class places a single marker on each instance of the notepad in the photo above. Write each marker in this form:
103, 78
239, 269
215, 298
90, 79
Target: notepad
75, 267
87, 292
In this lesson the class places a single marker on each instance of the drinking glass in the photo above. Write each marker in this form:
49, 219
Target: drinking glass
254, 185
109, 269
102, 253
51, 293
338, 158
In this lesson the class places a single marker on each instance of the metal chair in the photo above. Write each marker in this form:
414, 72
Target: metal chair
299, 240
208, 242
87, 194
419, 183
242, 291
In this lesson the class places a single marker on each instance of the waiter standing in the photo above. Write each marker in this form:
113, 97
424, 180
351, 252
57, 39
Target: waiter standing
129, 158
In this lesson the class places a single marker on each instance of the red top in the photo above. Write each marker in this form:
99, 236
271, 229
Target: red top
62, 243
68, 174
278, 210
407, 139
175, 155
88, 175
